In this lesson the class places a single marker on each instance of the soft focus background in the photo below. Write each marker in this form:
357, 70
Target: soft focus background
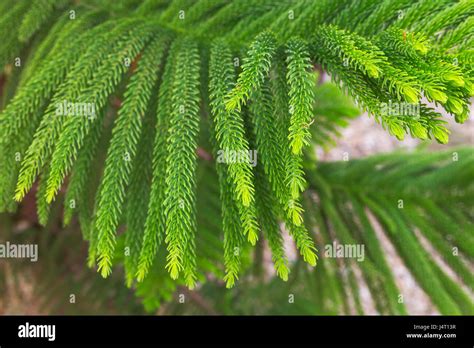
363, 138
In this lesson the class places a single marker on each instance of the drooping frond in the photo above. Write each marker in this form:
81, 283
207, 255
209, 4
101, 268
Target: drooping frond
272, 150
236, 178
122, 150
301, 91
230, 132
155, 222
138, 194
22, 115
55, 114
75, 129
180, 195
268, 213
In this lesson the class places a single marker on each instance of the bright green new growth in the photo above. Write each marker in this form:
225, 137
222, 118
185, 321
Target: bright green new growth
122, 150
18, 114
301, 86
229, 132
181, 163
155, 222
52, 122
229, 125
173, 95
222, 76
76, 128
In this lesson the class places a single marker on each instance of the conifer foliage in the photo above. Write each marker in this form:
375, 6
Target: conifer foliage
167, 86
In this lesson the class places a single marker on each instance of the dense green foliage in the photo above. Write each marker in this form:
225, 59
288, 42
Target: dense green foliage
173, 83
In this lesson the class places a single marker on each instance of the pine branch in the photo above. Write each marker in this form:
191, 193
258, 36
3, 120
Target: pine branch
102, 85
255, 68
155, 224
122, 151
181, 145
